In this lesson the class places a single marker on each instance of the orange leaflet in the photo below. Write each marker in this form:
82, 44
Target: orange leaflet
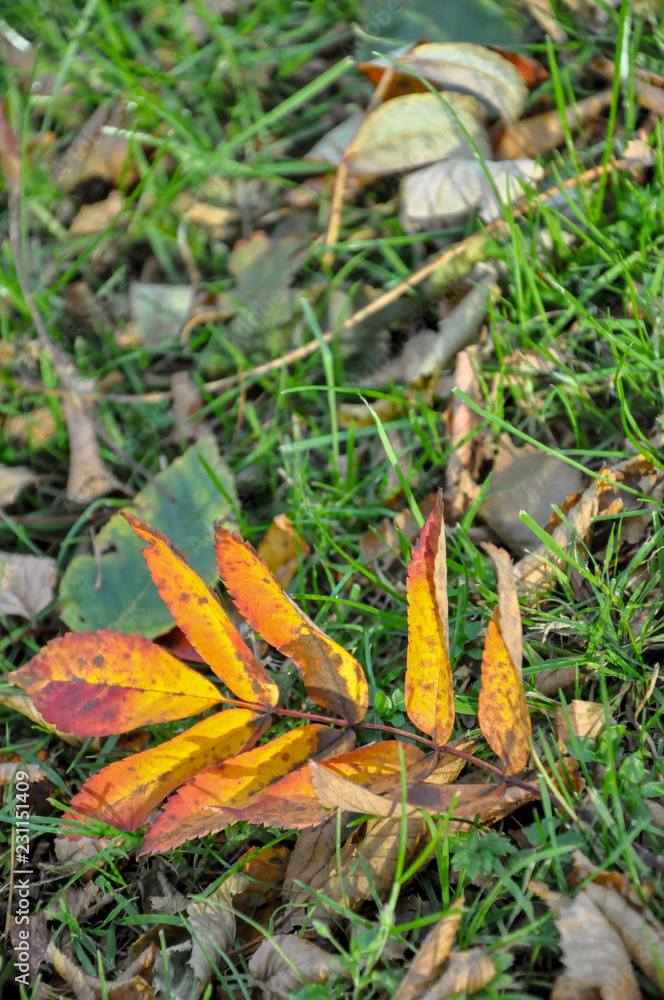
502, 710
125, 793
428, 689
201, 617
207, 803
333, 678
99, 683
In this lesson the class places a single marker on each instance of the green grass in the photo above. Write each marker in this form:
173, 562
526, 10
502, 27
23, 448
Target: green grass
244, 107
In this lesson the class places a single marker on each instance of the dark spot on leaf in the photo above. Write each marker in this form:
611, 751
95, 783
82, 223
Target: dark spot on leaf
184, 597
202, 600
99, 661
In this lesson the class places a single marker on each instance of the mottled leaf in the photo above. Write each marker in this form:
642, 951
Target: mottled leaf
502, 710
99, 683
333, 678
206, 804
125, 793
198, 612
428, 689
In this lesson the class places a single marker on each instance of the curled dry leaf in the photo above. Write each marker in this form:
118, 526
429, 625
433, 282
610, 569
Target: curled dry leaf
535, 571
284, 963
641, 933
445, 193
466, 972
96, 218
426, 965
26, 584
428, 689
14, 479
88, 477
580, 718
472, 69
593, 951
417, 129
540, 134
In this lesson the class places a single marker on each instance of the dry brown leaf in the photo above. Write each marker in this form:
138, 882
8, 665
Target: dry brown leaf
527, 479
466, 801
417, 129
96, 218
13, 479
466, 972
445, 193
429, 959
221, 222
539, 135
310, 857
130, 986
284, 963
593, 951
472, 69
282, 549
88, 476
641, 932
461, 425
534, 572
618, 881
187, 402
549, 682
450, 766
580, 718
383, 542
33, 429
212, 925
368, 867
26, 584
335, 792
29, 772
103, 157
79, 853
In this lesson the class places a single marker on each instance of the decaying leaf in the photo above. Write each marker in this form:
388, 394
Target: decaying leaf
88, 477
417, 129
333, 678
14, 479
187, 403
502, 710
96, 218
285, 962
445, 193
26, 584
466, 972
428, 688
472, 69
426, 965
580, 718
539, 135
536, 571
593, 951
527, 479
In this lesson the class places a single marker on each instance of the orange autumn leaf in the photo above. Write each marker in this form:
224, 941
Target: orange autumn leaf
428, 689
333, 678
198, 612
125, 793
502, 710
101, 683
206, 804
